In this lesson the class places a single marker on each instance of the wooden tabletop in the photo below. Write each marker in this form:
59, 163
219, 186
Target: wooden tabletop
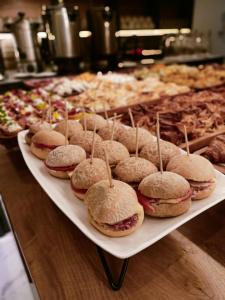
187, 264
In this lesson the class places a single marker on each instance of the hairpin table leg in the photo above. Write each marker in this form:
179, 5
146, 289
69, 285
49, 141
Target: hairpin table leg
115, 284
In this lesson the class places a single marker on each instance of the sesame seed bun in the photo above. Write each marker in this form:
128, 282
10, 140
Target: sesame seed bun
192, 167
84, 140
92, 119
167, 188
62, 157
106, 132
110, 205
86, 173
48, 138
115, 150
128, 138
73, 127
167, 185
134, 169
168, 150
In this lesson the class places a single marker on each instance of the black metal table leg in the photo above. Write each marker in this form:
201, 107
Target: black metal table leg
115, 284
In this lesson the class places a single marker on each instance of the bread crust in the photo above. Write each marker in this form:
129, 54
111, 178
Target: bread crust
58, 174
84, 140
92, 120
165, 210
38, 152
192, 167
73, 127
117, 233
49, 137
128, 138
134, 169
167, 185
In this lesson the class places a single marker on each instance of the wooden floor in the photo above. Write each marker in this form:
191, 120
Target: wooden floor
188, 264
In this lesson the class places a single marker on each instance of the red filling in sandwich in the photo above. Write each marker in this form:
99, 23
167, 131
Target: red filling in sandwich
62, 168
200, 186
147, 202
44, 146
125, 224
80, 191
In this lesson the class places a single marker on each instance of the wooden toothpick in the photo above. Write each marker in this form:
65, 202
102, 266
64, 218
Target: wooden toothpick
50, 110
136, 152
66, 123
85, 121
186, 141
158, 143
113, 127
131, 117
108, 169
93, 143
106, 115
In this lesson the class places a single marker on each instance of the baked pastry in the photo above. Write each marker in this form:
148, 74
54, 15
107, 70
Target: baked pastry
92, 120
34, 128
74, 127
84, 139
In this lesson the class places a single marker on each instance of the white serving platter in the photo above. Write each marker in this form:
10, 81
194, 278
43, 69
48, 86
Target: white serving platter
150, 232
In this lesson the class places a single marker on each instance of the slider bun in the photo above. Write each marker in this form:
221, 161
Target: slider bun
117, 233
58, 174
168, 150
167, 185
169, 210
40, 125
79, 195
106, 132
65, 155
128, 138
134, 169
206, 192
46, 137
92, 119
49, 137
192, 167
115, 150
84, 140
108, 205
73, 127
87, 174
38, 152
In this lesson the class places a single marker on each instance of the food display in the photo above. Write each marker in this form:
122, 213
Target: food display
118, 187
201, 112
34, 128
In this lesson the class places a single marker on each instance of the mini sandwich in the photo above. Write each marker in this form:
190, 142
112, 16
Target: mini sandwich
61, 161
106, 132
168, 150
45, 141
114, 211
127, 138
86, 174
133, 169
74, 127
198, 171
34, 128
164, 194
115, 150
92, 119
84, 140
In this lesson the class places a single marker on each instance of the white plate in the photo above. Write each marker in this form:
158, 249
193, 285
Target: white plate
150, 232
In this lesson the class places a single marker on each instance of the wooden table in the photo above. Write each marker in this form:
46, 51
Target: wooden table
187, 264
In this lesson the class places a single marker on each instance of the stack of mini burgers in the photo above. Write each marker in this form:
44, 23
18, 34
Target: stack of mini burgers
122, 172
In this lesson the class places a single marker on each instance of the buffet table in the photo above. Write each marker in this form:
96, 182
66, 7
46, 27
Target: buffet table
187, 264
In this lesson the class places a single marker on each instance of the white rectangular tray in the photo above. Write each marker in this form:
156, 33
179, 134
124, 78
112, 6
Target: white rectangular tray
150, 232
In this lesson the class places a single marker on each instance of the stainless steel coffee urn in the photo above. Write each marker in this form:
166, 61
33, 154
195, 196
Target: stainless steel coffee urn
21, 28
103, 25
63, 29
